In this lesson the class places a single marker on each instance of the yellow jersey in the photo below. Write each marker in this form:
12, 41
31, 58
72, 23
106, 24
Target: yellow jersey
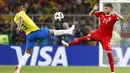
28, 25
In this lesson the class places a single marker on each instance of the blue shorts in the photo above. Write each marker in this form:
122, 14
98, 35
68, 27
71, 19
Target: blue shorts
31, 38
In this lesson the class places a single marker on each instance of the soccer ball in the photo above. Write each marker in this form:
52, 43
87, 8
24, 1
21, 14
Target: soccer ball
59, 16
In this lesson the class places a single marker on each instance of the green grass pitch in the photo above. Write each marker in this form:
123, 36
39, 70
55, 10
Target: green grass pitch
60, 69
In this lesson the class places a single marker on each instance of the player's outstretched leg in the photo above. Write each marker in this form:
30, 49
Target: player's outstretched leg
22, 62
76, 41
65, 43
62, 32
111, 61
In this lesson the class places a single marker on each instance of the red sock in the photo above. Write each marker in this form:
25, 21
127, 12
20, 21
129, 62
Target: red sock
77, 41
111, 61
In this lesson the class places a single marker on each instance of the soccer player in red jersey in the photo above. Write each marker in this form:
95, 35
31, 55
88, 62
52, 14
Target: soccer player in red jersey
103, 34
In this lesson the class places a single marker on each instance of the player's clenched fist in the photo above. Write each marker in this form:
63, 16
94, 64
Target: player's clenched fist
26, 5
113, 12
18, 30
95, 7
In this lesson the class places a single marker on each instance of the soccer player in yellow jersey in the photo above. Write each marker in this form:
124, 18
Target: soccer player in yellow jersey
24, 22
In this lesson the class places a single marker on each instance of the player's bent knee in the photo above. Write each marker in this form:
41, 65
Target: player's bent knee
109, 51
29, 51
87, 38
51, 32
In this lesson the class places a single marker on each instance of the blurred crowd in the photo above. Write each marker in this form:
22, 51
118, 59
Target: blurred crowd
49, 6
43, 11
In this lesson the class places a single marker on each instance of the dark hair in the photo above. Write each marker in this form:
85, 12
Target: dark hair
18, 5
108, 5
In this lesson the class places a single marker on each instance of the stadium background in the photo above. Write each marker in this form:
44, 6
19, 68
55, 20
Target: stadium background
50, 52
42, 14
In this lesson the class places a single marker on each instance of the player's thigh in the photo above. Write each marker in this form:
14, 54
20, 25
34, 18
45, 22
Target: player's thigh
106, 45
30, 45
94, 36
43, 33
30, 41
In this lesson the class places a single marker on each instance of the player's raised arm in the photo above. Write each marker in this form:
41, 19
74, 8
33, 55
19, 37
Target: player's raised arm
26, 5
118, 15
94, 10
20, 23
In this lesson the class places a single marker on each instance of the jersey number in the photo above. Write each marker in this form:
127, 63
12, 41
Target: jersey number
24, 27
106, 21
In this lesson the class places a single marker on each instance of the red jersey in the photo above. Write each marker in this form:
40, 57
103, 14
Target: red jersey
106, 23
